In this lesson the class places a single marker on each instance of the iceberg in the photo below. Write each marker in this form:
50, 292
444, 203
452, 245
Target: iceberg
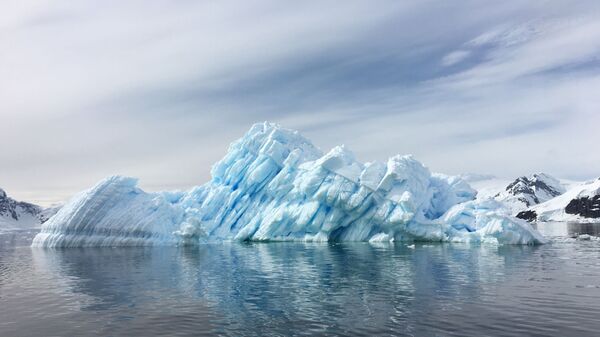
275, 185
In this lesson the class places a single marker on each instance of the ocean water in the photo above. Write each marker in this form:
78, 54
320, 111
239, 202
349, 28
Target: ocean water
292, 289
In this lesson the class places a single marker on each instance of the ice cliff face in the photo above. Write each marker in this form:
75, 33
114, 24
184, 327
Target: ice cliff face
273, 184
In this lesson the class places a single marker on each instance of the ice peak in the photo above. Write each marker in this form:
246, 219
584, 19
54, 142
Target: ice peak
341, 161
276, 142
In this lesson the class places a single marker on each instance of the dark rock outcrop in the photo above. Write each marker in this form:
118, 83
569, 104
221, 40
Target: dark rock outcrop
587, 207
528, 215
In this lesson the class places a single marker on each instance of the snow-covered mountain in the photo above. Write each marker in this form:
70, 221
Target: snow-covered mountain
542, 197
525, 192
274, 184
519, 194
580, 203
22, 215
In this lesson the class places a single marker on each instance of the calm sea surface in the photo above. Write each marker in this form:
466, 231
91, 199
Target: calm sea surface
288, 289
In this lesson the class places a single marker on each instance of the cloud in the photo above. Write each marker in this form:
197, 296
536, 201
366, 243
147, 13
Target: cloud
455, 57
158, 89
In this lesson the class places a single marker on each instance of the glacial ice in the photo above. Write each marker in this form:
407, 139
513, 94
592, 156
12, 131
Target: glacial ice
275, 185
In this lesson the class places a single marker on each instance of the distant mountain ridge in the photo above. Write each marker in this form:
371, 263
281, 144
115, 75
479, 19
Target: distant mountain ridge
519, 194
19, 214
538, 188
542, 197
581, 203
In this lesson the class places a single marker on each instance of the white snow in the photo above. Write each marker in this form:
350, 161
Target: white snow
525, 191
488, 187
16, 215
554, 209
274, 185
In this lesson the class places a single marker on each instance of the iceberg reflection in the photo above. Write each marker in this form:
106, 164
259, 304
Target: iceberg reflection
275, 287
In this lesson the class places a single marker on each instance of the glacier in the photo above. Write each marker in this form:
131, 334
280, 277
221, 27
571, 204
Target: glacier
275, 185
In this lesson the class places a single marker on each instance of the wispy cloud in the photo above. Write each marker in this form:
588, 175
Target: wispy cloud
455, 57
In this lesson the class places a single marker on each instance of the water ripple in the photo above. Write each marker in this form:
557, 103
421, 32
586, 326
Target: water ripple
289, 289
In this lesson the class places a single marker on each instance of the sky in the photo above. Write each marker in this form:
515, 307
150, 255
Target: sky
158, 89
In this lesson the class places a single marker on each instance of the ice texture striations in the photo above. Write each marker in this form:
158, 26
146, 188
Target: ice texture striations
274, 185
